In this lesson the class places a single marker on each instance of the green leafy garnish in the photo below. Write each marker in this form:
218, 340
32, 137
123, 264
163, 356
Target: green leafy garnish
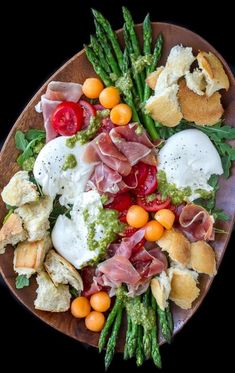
21, 281
58, 210
73, 292
30, 143
20, 141
7, 216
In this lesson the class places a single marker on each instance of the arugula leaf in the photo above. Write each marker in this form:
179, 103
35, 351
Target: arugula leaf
33, 134
20, 141
213, 182
73, 292
21, 281
58, 210
28, 152
226, 163
33, 180
219, 214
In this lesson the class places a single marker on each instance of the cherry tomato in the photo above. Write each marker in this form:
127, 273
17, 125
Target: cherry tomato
92, 87
67, 118
137, 217
120, 202
80, 307
149, 185
122, 216
165, 217
109, 97
121, 114
100, 301
153, 231
138, 173
95, 321
153, 204
88, 112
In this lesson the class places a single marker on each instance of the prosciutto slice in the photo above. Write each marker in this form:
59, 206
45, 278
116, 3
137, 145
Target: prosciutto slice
128, 243
149, 263
102, 149
135, 147
48, 107
119, 269
105, 179
196, 221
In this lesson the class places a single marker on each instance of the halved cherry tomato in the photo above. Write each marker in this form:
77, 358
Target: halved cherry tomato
153, 204
88, 112
120, 202
67, 118
137, 175
149, 185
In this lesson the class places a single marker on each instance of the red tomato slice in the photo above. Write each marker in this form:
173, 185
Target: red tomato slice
88, 112
120, 202
139, 172
154, 205
67, 118
149, 185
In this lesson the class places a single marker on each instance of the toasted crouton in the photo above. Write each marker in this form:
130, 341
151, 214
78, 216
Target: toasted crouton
196, 82
179, 60
50, 297
177, 246
184, 288
29, 256
161, 287
152, 78
12, 232
35, 218
164, 107
202, 110
20, 190
214, 72
203, 258
61, 271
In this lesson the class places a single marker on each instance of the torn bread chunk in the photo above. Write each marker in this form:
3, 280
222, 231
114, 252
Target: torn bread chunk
35, 217
177, 246
161, 288
50, 297
12, 232
196, 82
20, 190
29, 256
184, 288
179, 60
164, 107
203, 258
61, 271
214, 72
152, 78
202, 110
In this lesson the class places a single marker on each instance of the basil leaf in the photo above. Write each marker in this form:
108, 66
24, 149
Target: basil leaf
20, 141
33, 134
21, 281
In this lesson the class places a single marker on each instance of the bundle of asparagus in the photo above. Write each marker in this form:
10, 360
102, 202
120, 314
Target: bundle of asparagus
129, 69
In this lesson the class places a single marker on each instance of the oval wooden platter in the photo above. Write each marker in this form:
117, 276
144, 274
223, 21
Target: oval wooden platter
77, 69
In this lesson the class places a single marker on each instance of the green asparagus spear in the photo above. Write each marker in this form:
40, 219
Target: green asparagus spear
140, 349
96, 66
99, 53
132, 343
113, 339
147, 35
128, 334
111, 317
169, 319
155, 347
110, 34
166, 332
103, 40
147, 335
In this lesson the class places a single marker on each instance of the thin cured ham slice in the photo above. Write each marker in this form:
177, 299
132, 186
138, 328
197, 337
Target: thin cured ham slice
149, 263
196, 221
63, 91
102, 149
48, 107
128, 243
135, 147
119, 269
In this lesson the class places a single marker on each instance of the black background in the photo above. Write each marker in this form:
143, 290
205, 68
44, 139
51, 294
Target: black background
36, 39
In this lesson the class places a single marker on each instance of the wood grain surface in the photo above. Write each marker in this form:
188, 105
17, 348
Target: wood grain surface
77, 70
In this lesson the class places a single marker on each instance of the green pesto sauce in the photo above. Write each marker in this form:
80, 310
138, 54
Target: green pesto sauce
70, 162
124, 83
138, 312
109, 220
38, 147
28, 164
104, 199
177, 195
141, 62
90, 132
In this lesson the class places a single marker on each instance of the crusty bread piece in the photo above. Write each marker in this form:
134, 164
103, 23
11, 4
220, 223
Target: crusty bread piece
203, 258
161, 288
196, 82
179, 60
50, 297
61, 271
11, 232
184, 288
20, 190
29, 256
164, 107
214, 72
202, 110
152, 78
35, 218
177, 246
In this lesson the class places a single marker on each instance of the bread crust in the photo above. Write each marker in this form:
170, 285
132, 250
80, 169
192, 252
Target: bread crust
203, 258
